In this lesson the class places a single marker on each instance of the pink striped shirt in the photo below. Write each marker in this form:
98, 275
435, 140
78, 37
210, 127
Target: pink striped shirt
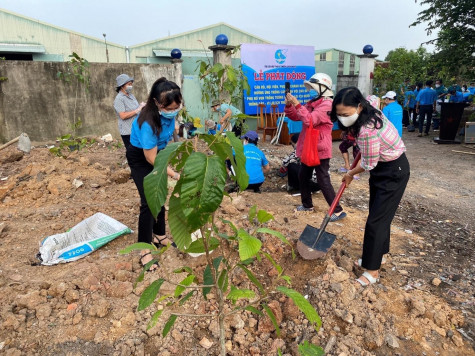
379, 145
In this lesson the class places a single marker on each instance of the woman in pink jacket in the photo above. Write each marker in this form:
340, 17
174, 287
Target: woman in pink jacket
316, 113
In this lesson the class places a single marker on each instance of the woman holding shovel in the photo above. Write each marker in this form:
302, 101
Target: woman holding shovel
382, 154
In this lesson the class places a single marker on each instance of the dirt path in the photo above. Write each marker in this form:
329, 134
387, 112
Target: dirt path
423, 306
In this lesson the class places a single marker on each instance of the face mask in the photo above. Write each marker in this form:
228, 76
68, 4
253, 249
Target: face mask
347, 121
313, 93
129, 88
437, 85
169, 114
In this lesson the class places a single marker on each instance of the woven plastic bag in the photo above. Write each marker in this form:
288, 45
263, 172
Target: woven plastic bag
309, 155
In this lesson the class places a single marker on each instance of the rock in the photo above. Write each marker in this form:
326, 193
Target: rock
440, 319
336, 287
344, 315
205, 343
254, 350
10, 154
91, 282
417, 306
339, 275
237, 322
30, 300
43, 311
58, 186
239, 203
391, 341
457, 340
121, 176
77, 183
71, 307
84, 161
265, 323
120, 289
348, 294
71, 295
10, 322
56, 226
5, 189
346, 263
403, 272
58, 289
229, 346
276, 344
176, 335
436, 282
77, 318
100, 308
291, 311
331, 342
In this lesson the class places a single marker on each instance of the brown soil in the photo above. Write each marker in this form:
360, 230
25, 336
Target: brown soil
424, 304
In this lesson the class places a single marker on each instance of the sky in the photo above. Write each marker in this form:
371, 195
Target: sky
344, 24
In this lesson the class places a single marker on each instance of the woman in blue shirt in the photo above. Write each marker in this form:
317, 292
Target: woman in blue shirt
151, 132
256, 162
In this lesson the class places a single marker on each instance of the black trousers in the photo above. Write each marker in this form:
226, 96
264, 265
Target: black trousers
405, 117
387, 183
324, 182
140, 168
126, 140
293, 170
425, 110
256, 187
412, 116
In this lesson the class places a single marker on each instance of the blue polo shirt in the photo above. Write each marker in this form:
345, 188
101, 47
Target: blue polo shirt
457, 97
144, 137
471, 90
410, 99
393, 112
255, 160
427, 96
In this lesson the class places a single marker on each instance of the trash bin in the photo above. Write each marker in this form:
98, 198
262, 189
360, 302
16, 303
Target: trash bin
450, 116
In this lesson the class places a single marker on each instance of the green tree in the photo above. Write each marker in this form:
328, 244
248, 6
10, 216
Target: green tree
455, 41
402, 65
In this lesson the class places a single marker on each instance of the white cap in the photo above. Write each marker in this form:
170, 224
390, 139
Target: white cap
390, 95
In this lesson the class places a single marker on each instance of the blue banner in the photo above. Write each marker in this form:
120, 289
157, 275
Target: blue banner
268, 67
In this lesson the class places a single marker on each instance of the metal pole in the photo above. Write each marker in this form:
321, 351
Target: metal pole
107, 51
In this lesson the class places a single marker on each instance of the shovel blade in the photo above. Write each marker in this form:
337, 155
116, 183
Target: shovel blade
308, 249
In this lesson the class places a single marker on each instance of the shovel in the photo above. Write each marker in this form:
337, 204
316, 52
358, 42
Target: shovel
314, 243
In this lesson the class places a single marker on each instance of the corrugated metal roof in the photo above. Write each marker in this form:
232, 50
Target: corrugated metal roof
21, 48
166, 53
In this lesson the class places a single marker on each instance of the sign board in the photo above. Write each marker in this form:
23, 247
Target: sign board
268, 67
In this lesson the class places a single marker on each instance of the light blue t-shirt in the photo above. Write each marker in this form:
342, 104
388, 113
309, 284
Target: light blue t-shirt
393, 112
427, 96
223, 108
471, 90
144, 137
255, 160
457, 97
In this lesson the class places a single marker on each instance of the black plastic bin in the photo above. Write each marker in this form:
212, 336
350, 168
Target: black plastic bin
450, 116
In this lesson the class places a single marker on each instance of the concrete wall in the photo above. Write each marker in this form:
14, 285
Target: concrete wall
35, 101
345, 81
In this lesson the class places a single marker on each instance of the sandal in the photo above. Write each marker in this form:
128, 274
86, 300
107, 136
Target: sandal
148, 265
360, 261
369, 277
158, 244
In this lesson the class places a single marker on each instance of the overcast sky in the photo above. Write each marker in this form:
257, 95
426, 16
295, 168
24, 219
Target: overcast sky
342, 24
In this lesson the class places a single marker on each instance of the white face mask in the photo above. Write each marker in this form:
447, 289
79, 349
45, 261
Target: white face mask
437, 85
347, 121
129, 88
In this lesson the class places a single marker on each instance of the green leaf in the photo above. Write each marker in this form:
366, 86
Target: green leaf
203, 181
252, 213
264, 230
254, 310
179, 228
186, 297
303, 304
223, 280
137, 246
140, 278
155, 183
307, 349
272, 317
208, 278
183, 269
184, 283
149, 294
169, 324
276, 266
153, 321
233, 227
216, 68
263, 216
249, 246
238, 161
235, 294
198, 245
178, 160
287, 279
231, 74
252, 278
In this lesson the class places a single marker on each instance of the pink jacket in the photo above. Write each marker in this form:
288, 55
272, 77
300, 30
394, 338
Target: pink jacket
316, 112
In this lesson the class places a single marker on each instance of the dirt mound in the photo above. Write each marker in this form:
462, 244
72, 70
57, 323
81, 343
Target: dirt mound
423, 305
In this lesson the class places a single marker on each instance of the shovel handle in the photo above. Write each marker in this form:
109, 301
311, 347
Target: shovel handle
342, 187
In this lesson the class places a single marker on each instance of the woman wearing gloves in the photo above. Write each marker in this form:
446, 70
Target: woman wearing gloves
315, 113
126, 106
382, 154
151, 132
